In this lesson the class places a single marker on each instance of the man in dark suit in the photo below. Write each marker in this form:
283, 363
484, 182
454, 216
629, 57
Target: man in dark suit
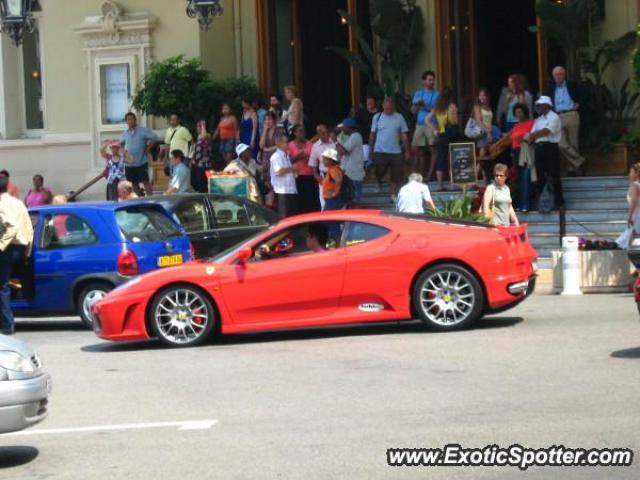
565, 95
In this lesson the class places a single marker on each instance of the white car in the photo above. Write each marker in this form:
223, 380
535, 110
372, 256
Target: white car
24, 386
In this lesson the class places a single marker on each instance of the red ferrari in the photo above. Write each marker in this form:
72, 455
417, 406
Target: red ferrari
329, 268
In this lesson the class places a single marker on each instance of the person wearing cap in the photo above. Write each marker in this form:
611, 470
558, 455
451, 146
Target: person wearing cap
565, 95
323, 143
114, 171
332, 181
546, 133
283, 178
246, 166
351, 153
180, 175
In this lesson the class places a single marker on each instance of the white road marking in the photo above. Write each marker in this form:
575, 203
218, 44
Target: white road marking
187, 425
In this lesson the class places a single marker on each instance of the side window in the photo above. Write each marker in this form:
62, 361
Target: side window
66, 230
193, 216
230, 213
34, 220
302, 239
257, 216
363, 232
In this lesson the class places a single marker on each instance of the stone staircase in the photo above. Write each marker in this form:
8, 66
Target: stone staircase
596, 208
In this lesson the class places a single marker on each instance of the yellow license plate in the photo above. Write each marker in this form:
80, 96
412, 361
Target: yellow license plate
170, 260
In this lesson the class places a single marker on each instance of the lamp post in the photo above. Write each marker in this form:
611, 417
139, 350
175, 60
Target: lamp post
16, 19
204, 11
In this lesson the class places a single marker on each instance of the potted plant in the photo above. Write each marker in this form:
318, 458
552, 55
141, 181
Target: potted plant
604, 268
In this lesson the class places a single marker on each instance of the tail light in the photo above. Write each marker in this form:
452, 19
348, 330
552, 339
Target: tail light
128, 263
192, 251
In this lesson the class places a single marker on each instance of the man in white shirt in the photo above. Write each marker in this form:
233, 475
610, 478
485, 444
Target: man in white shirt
283, 178
414, 195
323, 144
547, 133
16, 238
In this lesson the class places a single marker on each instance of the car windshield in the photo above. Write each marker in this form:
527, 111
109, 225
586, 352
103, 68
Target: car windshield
230, 252
146, 225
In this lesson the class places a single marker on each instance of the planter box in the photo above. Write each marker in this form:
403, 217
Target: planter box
615, 162
603, 271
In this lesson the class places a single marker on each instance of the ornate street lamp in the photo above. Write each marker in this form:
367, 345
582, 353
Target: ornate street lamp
203, 11
16, 18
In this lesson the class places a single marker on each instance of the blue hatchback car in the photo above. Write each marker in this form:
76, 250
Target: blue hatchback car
82, 251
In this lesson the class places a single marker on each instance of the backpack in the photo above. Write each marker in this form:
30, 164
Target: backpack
546, 202
347, 190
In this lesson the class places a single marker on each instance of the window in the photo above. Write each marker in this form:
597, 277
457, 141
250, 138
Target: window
193, 216
363, 232
66, 230
230, 213
32, 82
146, 225
302, 239
260, 217
115, 90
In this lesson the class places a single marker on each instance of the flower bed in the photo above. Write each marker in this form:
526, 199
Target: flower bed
602, 270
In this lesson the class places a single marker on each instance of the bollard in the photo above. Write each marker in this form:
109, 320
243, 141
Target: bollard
570, 266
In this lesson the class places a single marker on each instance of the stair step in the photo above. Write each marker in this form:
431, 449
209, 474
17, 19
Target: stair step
594, 228
596, 204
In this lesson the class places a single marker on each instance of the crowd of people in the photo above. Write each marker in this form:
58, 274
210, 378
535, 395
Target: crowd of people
295, 172
511, 144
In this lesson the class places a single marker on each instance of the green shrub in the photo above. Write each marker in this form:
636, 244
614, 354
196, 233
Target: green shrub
460, 207
182, 86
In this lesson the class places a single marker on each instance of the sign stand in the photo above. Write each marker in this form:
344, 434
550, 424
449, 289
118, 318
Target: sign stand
463, 164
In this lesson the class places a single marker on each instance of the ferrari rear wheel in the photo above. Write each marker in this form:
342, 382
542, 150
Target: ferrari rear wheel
181, 316
448, 297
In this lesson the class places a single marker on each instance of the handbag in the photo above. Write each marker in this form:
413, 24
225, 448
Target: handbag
490, 214
546, 202
625, 239
472, 130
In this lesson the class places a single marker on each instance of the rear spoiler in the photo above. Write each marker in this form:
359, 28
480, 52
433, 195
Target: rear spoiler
514, 233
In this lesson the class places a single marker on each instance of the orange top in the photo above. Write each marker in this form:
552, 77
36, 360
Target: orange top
227, 128
329, 187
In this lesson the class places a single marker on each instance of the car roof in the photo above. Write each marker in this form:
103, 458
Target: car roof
175, 198
380, 217
105, 206
338, 215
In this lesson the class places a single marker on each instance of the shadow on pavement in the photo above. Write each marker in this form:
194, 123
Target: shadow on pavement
38, 325
17, 456
310, 333
627, 353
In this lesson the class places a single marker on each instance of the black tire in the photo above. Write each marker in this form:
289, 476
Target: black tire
90, 294
177, 309
448, 297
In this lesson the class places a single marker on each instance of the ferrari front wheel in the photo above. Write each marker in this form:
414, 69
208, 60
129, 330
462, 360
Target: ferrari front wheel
448, 297
181, 316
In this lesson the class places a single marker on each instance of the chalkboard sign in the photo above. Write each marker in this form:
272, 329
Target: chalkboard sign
462, 163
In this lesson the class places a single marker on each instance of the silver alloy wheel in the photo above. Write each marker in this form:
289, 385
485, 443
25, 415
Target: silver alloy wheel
92, 297
182, 316
447, 298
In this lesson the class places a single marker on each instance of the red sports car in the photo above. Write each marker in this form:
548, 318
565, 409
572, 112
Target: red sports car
330, 268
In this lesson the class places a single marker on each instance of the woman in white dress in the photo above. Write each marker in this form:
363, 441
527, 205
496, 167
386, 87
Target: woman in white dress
633, 197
